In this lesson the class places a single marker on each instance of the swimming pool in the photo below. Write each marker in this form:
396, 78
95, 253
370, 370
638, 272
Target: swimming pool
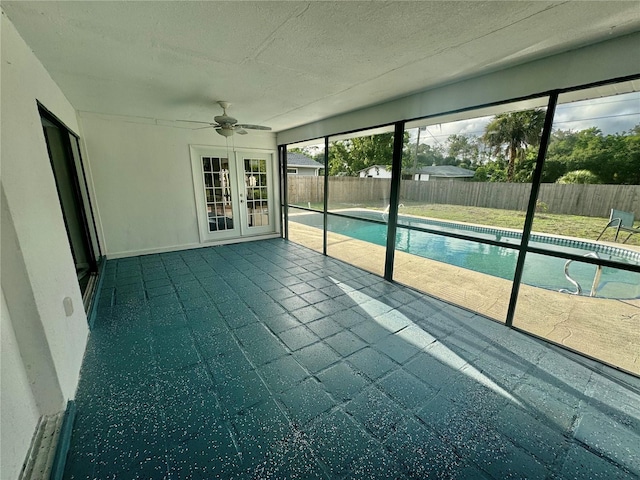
539, 270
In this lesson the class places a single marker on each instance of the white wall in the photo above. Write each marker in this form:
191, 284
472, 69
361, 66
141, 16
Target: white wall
37, 266
618, 57
19, 410
304, 171
143, 183
376, 172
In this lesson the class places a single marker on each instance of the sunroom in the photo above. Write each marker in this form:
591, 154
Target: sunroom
176, 305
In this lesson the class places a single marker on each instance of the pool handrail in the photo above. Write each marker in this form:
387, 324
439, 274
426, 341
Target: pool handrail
596, 277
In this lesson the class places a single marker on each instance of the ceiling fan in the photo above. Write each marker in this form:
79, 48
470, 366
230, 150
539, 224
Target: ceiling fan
226, 125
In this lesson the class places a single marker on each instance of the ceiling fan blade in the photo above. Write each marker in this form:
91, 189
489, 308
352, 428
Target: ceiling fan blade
202, 128
240, 131
252, 127
196, 121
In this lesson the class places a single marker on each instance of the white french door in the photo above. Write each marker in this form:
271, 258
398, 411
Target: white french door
255, 193
234, 196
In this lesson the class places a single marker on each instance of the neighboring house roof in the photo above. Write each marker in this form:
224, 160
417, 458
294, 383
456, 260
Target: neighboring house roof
372, 166
300, 160
445, 171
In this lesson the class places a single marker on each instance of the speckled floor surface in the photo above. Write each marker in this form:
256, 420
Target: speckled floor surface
267, 360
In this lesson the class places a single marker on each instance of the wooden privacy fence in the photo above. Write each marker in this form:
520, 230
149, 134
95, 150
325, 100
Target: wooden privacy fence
590, 200
587, 200
306, 189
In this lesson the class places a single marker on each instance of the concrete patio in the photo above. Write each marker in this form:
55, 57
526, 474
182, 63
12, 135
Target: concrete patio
269, 360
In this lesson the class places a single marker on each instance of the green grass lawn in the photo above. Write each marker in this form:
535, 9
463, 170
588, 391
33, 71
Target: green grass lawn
552, 223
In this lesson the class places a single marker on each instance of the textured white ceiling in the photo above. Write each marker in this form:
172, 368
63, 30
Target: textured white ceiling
288, 63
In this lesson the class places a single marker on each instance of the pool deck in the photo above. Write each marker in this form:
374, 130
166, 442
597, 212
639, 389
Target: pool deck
605, 329
267, 360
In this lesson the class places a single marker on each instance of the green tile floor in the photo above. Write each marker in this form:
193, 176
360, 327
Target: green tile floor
266, 360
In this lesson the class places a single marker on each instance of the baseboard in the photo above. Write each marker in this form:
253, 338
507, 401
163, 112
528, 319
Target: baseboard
64, 441
191, 246
152, 251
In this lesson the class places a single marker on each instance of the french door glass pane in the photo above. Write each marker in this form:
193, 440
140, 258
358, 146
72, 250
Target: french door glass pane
219, 203
208, 180
257, 203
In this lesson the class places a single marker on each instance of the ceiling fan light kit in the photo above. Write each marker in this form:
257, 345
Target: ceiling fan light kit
225, 132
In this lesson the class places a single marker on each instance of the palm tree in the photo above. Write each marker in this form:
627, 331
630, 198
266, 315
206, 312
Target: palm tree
514, 132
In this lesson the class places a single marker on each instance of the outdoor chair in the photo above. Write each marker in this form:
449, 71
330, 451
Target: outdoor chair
622, 222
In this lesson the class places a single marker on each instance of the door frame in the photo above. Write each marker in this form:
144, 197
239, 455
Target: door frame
196, 153
82, 198
240, 157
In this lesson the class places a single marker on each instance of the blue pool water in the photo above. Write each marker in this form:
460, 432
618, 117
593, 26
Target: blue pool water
539, 270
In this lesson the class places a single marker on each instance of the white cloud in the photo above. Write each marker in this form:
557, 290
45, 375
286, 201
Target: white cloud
609, 114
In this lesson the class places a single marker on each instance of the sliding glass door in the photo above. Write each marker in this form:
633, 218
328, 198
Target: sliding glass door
64, 155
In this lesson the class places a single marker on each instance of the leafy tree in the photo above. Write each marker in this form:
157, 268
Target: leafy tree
463, 148
512, 133
432, 156
619, 162
526, 166
481, 174
579, 176
614, 159
372, 150
629, 172
339, 160
348, 157
497, 170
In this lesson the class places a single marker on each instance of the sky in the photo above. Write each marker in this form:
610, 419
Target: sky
610, 114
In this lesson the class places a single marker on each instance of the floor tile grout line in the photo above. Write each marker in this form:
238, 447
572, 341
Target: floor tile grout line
374, 384
274, 397
204, 365
228, 425
340, 405
162, 412
337, 405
